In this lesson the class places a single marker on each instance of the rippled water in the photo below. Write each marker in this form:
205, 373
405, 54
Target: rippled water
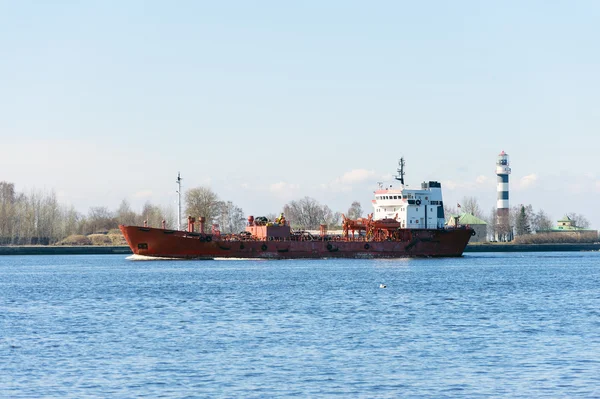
485, 325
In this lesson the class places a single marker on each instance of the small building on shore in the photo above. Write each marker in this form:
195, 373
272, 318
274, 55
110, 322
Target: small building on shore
567, 227
566, 224
468, 219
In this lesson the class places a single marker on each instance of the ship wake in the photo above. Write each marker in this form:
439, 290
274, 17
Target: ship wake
143, 257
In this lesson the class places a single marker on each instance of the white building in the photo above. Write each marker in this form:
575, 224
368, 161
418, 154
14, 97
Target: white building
413, 208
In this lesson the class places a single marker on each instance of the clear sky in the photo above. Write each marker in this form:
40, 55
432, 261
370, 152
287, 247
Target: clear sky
271, 101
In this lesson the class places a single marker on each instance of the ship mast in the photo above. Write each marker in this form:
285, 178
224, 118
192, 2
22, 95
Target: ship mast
179, 179
400, 175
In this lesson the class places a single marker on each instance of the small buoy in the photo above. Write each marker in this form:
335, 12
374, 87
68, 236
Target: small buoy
382, 286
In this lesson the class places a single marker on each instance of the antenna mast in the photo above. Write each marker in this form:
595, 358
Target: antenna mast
400, 175
179, 179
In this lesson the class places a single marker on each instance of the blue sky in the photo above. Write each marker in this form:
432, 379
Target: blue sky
266, 102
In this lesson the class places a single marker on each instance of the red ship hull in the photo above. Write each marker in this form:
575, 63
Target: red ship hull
180, 244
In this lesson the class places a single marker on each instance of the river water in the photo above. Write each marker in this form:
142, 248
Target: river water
515, 325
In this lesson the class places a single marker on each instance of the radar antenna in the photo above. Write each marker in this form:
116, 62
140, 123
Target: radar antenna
400, 175
179, 179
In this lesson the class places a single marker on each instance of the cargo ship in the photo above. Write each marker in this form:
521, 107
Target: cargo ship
405, 222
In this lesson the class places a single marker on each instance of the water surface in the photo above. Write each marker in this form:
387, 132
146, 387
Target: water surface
486, 325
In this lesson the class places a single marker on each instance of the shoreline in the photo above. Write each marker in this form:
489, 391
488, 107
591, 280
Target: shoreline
125, 250
567, 247
65, 250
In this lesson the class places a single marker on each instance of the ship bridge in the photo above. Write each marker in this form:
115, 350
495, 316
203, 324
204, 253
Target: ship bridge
413, 208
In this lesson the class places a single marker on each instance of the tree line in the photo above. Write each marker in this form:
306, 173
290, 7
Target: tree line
37, 217
522, 221
305, 213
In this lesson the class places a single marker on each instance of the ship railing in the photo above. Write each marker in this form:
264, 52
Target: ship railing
311, 238
421, 226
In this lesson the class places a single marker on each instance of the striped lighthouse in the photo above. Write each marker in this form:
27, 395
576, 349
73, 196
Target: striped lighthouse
503, 229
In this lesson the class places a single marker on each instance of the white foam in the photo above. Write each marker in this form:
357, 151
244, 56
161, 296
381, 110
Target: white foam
144, 257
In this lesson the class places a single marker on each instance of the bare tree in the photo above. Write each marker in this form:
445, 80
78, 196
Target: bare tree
169, 216
7, 211
70, 222
355, 211
231, 218
100, 219
331, 218
154, 216
29, 206
124, 214
492, 223
271, 216
579, 220
21, 234
28, 219
202, 201
38, 217
541, 222
308, 213
48, 217
471, 205
449, 211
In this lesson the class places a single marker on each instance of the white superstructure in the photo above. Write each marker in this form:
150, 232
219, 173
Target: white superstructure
412, 208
